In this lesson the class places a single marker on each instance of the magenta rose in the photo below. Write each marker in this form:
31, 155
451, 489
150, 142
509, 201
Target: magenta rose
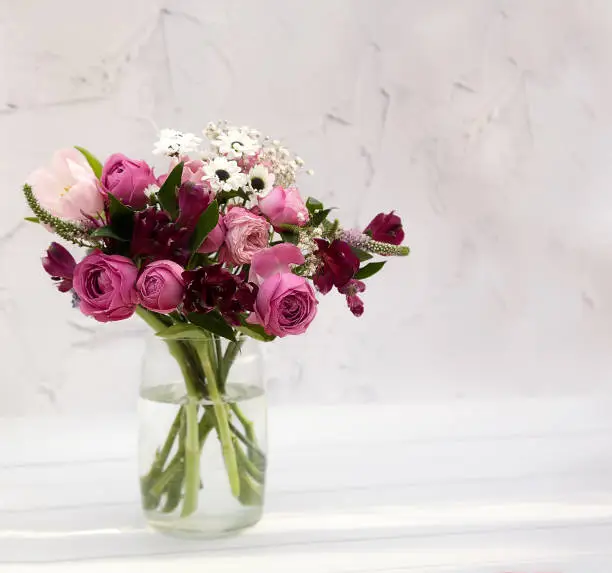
215, 238
284, 206
161, 286
285, 305
127, 179
246, 234
386, 228
105, 286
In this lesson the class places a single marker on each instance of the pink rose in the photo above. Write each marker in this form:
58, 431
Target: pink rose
105, 286
246, 234
274, 260
285, 304
68, 188
215, 238
161, 286
127, 179
284, 206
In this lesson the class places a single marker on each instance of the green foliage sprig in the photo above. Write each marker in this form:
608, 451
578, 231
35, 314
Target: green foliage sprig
71, 232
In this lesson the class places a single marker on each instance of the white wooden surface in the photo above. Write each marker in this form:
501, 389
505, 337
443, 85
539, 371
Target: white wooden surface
521, 486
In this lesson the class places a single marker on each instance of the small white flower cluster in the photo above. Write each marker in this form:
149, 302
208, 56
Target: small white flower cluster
175, 143
237, 158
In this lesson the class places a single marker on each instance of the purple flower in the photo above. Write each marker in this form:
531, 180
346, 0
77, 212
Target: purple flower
386, 228
127, 179
213, 287
351, 290
157, 237
105, 286
59, 263
192, 201
338, 264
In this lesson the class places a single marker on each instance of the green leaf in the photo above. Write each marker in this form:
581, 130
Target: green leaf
361, 254
32, 219
206, 223
369, 270
167, 192
256, 331
319, 217
106, 232
313, 205
224, 196
182, 331
213, 322
121, 218
289, 237
93, 161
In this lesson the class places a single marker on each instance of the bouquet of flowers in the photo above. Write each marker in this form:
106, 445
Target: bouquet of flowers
218, 248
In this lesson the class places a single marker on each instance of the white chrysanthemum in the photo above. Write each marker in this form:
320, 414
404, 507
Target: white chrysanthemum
261, 180
236, 142
176, 143
224, 174
151, 189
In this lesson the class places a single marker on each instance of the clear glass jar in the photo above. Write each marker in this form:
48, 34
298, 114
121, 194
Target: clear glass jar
202, 435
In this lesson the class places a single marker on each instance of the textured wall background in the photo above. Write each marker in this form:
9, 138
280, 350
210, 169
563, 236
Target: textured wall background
486, 123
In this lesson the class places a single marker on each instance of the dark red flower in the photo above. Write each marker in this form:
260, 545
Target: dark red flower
338, 264
157, 237
351, 289
213, 287
59, 263
386, 228
192, 201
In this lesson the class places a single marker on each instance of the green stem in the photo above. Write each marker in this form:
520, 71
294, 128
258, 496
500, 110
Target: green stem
206, 351
246, 441
249, 466
232, 350
192, 458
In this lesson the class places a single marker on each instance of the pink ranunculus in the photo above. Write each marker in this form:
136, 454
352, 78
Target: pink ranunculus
68, 188
274, 260
105, 285
246, 234
215, 238
127, 179
285, 304
161, 286
284, 206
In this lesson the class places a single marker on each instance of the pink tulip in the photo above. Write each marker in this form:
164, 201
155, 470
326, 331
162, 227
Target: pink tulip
284, 207
68, 188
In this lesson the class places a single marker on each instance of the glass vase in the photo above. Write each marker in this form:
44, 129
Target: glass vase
202, 434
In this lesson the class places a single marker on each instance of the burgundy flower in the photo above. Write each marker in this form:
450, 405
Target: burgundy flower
59, 263
192, 201
338, 264
213, 287
156, 237
351, 289
386, 228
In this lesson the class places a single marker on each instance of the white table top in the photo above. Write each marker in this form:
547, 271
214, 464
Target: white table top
524, 486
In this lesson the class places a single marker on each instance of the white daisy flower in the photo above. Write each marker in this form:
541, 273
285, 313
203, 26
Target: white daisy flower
151, 189
176, 143
224, 174
261, 180
236, 142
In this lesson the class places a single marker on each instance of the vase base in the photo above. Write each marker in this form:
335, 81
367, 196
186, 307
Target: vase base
205, 526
